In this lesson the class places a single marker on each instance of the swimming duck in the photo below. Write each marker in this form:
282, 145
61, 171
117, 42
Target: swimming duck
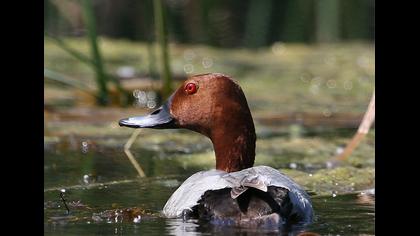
235, 192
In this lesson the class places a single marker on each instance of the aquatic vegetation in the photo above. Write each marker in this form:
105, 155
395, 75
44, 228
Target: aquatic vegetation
335, 181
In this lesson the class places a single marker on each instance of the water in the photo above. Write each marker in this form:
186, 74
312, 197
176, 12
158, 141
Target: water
343, 214
99, 180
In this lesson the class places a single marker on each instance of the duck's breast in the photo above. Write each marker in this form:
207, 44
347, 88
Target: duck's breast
259, 177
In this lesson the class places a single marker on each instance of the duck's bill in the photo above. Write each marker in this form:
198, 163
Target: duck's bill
159, 119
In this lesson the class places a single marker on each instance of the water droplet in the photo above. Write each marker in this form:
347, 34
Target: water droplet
151, 95
136, 93
89, 178
331, 84
189, 68
278, 48
207, 62
151, 104
189, 55
293, 165
86, 179
142, 96
137, 219
85, 147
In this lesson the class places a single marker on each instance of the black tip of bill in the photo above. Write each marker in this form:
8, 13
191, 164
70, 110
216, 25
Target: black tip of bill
129, 122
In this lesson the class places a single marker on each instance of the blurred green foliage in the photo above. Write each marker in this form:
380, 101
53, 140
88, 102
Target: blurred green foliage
285, 77
232, 23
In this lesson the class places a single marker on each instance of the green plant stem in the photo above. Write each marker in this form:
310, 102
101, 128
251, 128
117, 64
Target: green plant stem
327, 21
162, 40
84, 59
78, 55
101, 76
55, 76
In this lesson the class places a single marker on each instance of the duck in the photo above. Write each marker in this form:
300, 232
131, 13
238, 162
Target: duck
236, 192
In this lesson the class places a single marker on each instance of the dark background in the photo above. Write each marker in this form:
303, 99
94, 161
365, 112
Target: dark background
231, 23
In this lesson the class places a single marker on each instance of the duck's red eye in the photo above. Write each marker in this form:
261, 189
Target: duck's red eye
190, 88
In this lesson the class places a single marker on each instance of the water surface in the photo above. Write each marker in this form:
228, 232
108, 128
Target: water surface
98, 180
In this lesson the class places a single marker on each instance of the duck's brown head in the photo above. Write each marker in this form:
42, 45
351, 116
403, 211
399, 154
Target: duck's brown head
215, 106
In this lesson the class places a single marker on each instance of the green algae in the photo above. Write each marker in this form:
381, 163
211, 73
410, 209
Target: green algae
336, 181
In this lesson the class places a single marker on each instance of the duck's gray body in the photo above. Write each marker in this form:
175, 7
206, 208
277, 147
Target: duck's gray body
191, 192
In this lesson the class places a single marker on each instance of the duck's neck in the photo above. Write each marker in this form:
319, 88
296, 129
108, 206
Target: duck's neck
234, 145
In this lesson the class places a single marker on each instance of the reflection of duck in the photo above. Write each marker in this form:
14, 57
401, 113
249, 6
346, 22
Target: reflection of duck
235, 193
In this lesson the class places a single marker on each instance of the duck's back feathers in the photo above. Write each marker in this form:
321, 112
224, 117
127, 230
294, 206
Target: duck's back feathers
257, 191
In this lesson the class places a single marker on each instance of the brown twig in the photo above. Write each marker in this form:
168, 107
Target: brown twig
130, 156
364, 127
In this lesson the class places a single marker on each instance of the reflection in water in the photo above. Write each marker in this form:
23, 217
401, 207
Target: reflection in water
194, 227
178, 227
